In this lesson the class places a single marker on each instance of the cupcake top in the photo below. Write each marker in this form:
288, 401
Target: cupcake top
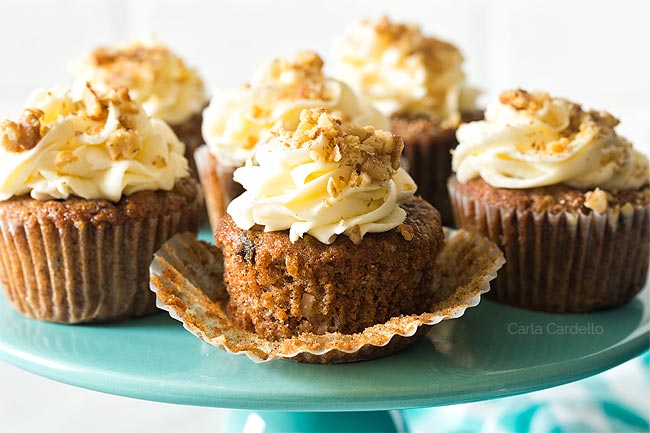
87, 143
530, 140
325, 179
156, 78
402, 71
237, 119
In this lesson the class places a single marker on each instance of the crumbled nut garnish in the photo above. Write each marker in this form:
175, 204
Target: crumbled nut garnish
355, 235
24, 134
596, 200
332, 190
93, 105
307, 79
159, 161
374, 154
123, 144
64, 158
437, 55
554, 111
406, 231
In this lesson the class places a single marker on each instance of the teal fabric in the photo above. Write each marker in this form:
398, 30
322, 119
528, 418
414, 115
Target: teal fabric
617, 400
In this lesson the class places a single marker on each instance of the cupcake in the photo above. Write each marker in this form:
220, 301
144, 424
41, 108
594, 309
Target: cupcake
418, 82
239, 118
156, 78
328, 236
90, 187
563, 195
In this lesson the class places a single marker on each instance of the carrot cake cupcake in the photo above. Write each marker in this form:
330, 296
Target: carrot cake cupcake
90, 187
238, 119
419, 83
156, 78
565, 197
328, 236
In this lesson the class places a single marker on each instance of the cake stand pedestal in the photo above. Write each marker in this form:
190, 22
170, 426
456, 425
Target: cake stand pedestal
492, 351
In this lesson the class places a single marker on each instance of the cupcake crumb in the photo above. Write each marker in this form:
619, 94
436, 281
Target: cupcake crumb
596, 200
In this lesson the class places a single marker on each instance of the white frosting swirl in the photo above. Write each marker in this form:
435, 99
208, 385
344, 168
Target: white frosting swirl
156, 78
237, 119
402, 71
295, 185
532, 140
98, 147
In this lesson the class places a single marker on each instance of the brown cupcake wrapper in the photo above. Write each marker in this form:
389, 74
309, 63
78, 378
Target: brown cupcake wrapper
85, 271
189, 132
429, 163
562, 262
219, 188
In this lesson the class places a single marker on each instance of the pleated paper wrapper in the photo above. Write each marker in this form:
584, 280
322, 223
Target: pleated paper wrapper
187, 277
563, 262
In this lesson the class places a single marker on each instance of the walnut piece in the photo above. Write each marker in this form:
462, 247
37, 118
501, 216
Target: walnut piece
22, 135
406, 231
374, 154
596, 200
123, 144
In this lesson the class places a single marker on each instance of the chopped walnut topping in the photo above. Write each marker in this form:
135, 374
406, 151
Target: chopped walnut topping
406, 231
300, 78
159, 161
355, 235
123, 144
437, 55
93, 105
596, 200
555, 112
22, 135
64, 158
374, 154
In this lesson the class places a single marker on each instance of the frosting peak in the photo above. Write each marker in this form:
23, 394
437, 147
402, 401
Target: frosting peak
530, 139
237, 119
87, 143
402, 71
156, 78
326, 178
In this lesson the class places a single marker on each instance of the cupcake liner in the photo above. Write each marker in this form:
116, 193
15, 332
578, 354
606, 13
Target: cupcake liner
84, 271
218, 186
187, 277
427, 157
189, 132
429, 163
562, 262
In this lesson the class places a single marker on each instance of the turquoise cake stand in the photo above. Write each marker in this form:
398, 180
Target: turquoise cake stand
492, 351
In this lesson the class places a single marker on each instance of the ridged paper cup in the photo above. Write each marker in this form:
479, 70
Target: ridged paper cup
218, 185
427, 157
563, 262
187, 277
88, 261
189, 132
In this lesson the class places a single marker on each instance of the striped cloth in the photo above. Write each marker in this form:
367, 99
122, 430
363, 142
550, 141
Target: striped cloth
615, 401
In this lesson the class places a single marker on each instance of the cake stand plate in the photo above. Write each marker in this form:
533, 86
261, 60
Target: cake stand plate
492, 351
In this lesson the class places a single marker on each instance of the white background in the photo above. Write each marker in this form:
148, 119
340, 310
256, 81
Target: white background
595, 52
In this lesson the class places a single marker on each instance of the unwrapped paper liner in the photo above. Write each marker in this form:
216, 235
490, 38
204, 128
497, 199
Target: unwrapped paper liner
187, 277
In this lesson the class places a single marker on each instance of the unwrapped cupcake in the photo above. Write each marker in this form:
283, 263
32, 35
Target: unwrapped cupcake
327, 256
157, 78
238, 119
563, 195
419, 83
90, 187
